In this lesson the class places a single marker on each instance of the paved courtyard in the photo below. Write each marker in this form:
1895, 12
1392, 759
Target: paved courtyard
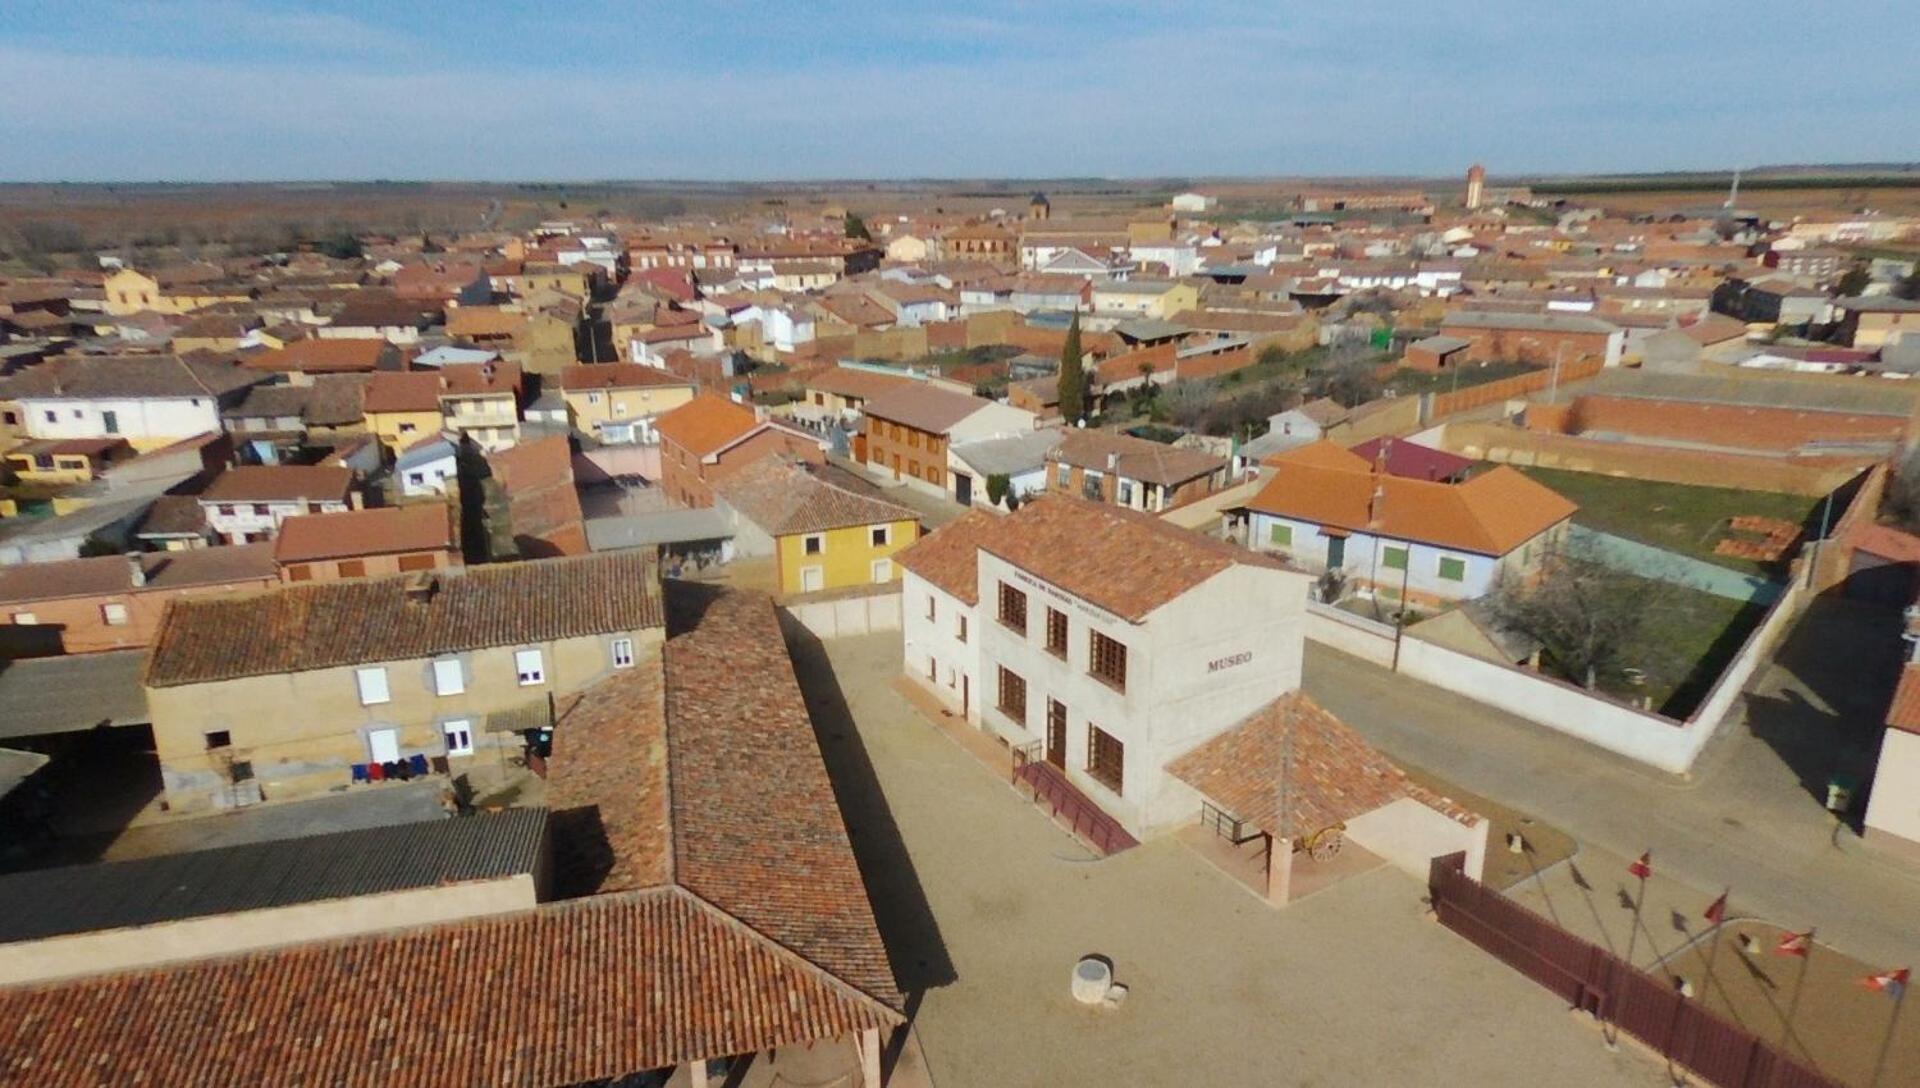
988, 904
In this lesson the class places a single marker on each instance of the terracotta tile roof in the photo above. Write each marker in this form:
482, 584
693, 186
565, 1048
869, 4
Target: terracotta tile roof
705, 424
479, 379
279, 483
1491, 514
1414, 461
1127, 562
1292, 748
1134, 458
1321, 453
411, 391
852, 382
1904, 713
329, 355
949, 557
1888, 542
783, 499
610, 760
484, 321
113, 574
616, 376
757, 829
379, 531
543, 505
303, 627
139, 377
924, 407
581, 991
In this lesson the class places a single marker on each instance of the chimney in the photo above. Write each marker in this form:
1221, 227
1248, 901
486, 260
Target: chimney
1113, 462
136, 573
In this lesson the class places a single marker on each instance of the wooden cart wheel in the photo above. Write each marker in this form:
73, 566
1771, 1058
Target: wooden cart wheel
1324, 844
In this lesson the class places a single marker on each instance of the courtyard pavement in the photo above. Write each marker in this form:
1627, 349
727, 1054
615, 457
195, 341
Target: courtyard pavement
987, 905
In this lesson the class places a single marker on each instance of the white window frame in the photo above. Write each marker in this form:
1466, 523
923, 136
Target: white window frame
882, 571
25, 619
886, 536
622, 649
815, 571
530, 667
115, 614
461, 728
806, 543
449, 677
372, 684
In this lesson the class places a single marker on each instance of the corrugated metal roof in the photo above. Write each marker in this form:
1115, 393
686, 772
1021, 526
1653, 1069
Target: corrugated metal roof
257, 876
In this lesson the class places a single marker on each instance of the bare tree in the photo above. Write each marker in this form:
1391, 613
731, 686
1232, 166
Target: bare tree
1583, 612
1902, 498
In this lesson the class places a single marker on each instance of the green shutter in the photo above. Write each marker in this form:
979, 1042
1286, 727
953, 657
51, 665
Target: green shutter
1393, 558
1453, 570
1280, 536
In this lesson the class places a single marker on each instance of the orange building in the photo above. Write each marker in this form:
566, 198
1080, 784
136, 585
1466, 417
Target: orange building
114, 602
710, 438
365, 543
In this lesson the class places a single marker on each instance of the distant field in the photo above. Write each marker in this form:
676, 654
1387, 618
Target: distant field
1677, 517
1895, 199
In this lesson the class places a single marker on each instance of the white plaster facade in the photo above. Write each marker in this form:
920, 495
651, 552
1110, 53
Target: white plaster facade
136, 419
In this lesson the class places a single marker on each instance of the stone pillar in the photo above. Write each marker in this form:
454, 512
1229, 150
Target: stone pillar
696, 1074
1279, 871
869, 1047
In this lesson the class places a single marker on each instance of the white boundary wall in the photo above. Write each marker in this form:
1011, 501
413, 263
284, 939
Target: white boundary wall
846, 616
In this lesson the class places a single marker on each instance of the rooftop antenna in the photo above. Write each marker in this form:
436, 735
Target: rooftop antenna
1733, 194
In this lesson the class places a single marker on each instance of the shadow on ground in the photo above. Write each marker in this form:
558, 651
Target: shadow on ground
1825, 719
907, 926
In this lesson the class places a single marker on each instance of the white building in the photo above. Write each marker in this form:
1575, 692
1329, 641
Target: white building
1193, 202
149, 401
247, 504
1893, 811
425, 467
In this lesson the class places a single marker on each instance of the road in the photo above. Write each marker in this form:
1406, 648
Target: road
1749, 819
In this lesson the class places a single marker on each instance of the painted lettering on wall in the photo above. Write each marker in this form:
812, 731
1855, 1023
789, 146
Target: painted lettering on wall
1221, 664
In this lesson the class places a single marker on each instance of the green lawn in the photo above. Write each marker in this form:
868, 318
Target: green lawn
1686, 642
1407, 381
1677, 517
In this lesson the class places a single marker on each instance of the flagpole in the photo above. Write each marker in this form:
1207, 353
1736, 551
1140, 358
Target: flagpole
1886, 1044
1713, 948
1633, 935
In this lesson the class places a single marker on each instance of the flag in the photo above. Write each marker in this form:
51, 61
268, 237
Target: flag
1888, 982
1642, 868
1717, 910
1794, 944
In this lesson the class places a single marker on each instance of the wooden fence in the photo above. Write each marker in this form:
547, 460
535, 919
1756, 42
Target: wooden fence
1592, 979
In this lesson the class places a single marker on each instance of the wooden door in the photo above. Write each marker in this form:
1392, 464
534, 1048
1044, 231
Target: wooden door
1057, 734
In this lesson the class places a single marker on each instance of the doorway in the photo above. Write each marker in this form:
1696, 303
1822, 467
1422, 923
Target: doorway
1057, 733
1336, 552
383, 745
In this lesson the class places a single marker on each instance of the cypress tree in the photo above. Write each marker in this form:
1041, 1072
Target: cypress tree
1073, 377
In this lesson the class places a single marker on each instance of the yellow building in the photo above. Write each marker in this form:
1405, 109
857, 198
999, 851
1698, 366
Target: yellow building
821, 536
247, 704
402, 407
129, 291
617, 402
572, 281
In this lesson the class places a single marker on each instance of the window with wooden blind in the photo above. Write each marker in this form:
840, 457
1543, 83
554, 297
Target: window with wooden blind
1106, 757
1013, 608
1108, 660
1056, 632
1013, 695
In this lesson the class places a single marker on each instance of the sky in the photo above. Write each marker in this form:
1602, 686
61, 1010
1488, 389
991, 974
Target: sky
207, 90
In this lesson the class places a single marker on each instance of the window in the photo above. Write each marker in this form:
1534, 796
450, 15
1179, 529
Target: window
1453, 569
52, 416
225, 510
416, 478
261, 509
620, 407
962, 632
931, 606
353, 568
813, 543
219, 738
1280, 536
299, 572
593, 398
1013, 696
622, 653
407, 428
1125, 491
1106, 757
1108, 660
114, 614
882, 571
448, 677
1056, 632
459, 735
1393, 557
373, 686
882, 535
529, 667
1013, 608
1065, 475
25, 619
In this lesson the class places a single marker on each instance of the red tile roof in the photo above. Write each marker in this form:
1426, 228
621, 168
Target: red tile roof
412, 391
924, 407
949, 557
1127, 562
387, 530
1292, 749
1491, 514
616, 376
113, 574
706, 424
784, 499
1134, 458
325, 356
280, 483
582, 991
1904, 714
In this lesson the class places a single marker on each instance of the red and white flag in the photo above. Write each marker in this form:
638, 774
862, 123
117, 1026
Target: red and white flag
1717, 910
1642, 868
1888, 982
1794, 944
